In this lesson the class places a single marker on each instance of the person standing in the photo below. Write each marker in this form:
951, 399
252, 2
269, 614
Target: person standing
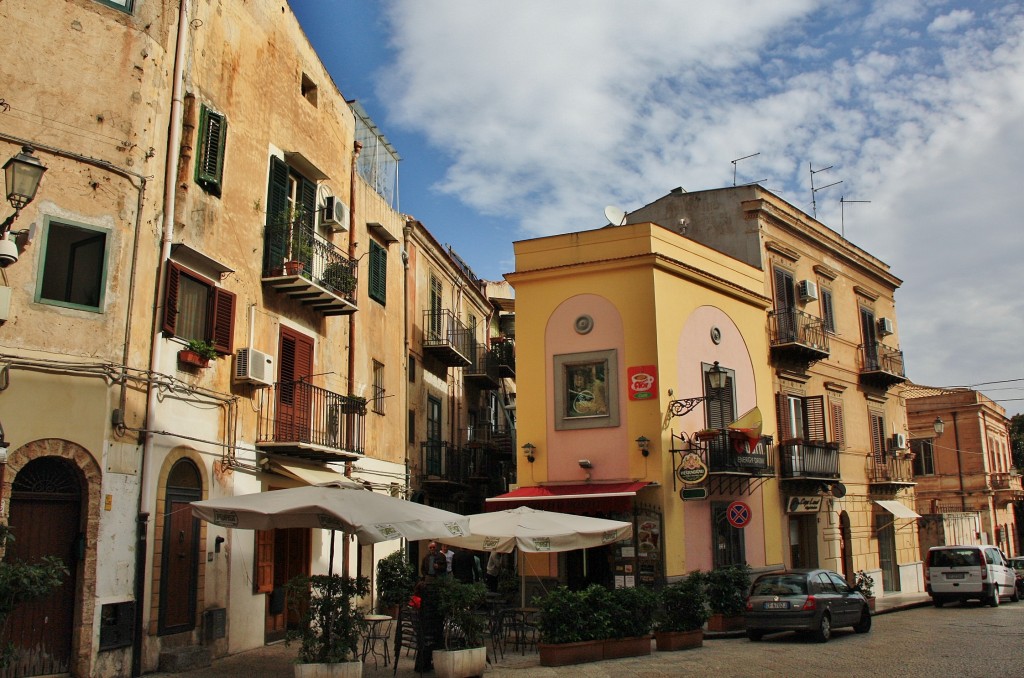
462, 566
448, 553
434, 564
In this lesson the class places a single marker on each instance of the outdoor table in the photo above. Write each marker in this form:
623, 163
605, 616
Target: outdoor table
378, 632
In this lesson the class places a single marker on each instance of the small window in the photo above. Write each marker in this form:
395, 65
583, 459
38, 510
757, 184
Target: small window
123, 5
378, 273
378, 387
308, 89
213, 129
924, 457
195, 308
74, 267
412, 427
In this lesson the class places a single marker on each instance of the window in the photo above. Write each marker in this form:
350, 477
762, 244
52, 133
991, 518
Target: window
837, 421
378, 387
828, 316
727, 541
309, 91
195, 308
378, 288
412, 427
586, 390
213, 129
291, 210
124, 5
924, 456
801, 417
74, 266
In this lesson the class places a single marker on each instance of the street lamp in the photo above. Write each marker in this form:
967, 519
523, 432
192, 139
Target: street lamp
22, 174
939, 426
644, 444
528, 450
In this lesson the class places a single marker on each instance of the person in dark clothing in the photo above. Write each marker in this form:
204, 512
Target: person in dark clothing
463, 566
434, 564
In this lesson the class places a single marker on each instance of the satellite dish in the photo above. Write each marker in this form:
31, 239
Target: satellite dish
839, 490
616, 215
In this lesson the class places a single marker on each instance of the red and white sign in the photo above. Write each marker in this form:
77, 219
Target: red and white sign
643, 382
738, 514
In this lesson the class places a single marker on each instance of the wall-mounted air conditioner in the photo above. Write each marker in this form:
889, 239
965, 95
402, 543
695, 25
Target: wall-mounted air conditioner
334, 214
254, 367
807, 290
885, 327
898, 442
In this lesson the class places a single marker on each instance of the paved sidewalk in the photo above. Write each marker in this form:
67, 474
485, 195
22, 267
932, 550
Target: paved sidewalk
276, 661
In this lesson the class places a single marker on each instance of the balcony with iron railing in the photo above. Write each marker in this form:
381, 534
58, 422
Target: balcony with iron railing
888, 473
881, 365
504, 349
797, 336
488, 470
447, 338
730, 453
1007, 483
300, 264
302, 420
809, 460
482, 370
498, 439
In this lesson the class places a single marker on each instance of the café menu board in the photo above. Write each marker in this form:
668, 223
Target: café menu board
638, 560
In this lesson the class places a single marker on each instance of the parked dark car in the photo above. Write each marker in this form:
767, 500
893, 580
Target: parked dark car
813, 601
1018, 567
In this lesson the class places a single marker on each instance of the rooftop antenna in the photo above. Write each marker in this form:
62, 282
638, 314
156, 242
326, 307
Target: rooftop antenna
814, 204
616, 215
842, 215
736, 161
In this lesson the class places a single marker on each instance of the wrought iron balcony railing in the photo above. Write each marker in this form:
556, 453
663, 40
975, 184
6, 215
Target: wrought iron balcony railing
301, 264
728, 453
504, 349
1006, 482
888, 470
797, 335
448, 338
483, 369
881, 365
812, 460
486, 469
305, 420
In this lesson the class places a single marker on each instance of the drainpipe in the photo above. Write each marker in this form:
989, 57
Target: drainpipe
959, 464
356, 147
170, 186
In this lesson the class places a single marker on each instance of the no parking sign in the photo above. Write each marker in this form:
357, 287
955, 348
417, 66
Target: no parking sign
738, 514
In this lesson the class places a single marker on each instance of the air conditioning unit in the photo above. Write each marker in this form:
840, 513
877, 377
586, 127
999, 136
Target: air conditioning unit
334, 214
254, 367
885, 327
898, 442
808, 290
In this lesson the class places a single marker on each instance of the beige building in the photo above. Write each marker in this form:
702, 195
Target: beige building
962, 464
209, 190
846, 480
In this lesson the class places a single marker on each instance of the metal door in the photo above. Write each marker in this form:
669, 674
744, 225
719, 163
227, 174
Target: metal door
887, 551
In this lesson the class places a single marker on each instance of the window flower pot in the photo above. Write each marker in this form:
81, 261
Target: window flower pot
189, 357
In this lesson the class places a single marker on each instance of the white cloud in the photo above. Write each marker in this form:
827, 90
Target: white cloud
549, 111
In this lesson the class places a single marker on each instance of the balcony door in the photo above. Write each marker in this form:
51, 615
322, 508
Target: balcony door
293, 422
785, 305
867, 327
435, 465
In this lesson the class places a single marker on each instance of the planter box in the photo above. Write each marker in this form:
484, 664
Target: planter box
563, 654
719, 623
617, 648
670, 641
459, 663
339, 670
187, 357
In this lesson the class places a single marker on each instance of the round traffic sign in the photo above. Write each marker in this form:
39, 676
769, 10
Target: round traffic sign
738, 514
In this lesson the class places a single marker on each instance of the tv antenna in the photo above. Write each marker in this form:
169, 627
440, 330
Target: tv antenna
736, 161
616, 215
814, 203
842, 215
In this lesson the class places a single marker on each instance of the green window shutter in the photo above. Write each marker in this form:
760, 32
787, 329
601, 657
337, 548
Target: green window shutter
378, 287
276, 232
213, 129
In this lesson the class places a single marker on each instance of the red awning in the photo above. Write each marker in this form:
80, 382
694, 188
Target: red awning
564, 495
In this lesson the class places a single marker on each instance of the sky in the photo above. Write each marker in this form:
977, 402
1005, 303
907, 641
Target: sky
522, 119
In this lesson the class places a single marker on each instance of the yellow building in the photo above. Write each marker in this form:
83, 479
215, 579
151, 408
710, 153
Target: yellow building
618, 332
844, 462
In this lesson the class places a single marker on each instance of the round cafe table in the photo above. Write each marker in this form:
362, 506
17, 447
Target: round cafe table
375, 643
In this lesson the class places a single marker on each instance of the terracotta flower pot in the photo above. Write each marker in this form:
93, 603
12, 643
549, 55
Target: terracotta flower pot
719, 623
670, 641
617, 648
563, 654
192, 358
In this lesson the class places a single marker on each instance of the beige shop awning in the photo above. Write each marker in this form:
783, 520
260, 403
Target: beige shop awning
897, 509
310, 474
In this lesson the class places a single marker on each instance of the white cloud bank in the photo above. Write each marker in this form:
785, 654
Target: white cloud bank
548, 111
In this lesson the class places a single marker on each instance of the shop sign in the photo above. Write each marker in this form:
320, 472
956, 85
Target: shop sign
643, 382
692, 469
811, 504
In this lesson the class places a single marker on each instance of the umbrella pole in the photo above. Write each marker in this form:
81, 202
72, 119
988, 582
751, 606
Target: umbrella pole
330, 562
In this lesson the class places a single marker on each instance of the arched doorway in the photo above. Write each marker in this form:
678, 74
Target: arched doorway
179, 572
46, 520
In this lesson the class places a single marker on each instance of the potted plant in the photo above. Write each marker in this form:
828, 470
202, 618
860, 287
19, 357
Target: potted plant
464, 628
679, 623
727, 592
197, 352
289, 241
396, 578
339, 276
573, 626
330, 624
865, 583
707, 434
633, 611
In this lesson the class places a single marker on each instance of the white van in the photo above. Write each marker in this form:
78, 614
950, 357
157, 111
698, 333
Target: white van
968, 572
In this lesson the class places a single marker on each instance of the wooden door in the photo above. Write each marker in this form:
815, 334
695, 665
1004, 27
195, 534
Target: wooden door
293, 422
291, 558
45, 519
179, 572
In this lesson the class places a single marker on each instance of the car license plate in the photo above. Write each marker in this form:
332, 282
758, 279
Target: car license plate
776, 605
955, 575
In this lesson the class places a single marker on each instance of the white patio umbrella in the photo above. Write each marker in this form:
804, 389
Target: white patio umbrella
534, 531
344, 506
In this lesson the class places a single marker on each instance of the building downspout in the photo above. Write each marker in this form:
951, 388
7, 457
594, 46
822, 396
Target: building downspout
170, 187
959, 464
356, 147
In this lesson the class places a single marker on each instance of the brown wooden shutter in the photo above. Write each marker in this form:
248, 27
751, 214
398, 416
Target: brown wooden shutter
838, 423
782, 414
223, 314
170, 320
878, 438
263, 579
814, 418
